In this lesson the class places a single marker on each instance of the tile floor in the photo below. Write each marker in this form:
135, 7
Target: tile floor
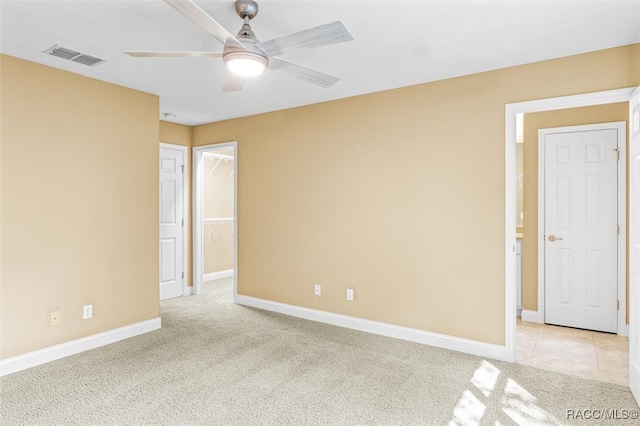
584, 353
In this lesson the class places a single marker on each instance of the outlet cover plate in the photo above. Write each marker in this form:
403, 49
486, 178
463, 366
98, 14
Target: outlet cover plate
87, 311
350, 294
317, 290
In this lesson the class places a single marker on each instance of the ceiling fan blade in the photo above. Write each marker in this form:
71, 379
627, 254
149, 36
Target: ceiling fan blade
175, 54
204, 21
323, 35
303, 73
232, 83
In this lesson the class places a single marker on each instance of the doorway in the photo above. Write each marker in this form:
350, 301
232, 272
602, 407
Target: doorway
511, 112
571, 243
582, 353
215, 241
217, 213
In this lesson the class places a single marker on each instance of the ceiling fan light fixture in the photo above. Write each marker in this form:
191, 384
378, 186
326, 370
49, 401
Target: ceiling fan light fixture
245, 56
246, 64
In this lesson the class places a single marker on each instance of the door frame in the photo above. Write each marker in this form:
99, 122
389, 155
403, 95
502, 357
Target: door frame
621, 127
185, 205
198, 240
511, 111
634, 229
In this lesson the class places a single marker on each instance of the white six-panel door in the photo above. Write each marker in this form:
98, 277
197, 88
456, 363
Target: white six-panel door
581, 238
171, 221
634, 245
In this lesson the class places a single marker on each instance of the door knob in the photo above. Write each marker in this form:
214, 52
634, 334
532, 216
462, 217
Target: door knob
553, 238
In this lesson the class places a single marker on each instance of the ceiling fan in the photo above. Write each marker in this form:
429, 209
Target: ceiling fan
245, 56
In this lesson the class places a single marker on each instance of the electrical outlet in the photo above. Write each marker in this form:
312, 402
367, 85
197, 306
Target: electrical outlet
317, 290
350, 294
87, 311
54, 318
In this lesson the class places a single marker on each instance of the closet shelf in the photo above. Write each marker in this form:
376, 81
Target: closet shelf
220, 157
214, 155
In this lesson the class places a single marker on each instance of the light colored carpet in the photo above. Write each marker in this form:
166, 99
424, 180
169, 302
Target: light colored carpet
214, 362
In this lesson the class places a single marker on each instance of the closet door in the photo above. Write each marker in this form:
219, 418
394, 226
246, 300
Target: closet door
171, 221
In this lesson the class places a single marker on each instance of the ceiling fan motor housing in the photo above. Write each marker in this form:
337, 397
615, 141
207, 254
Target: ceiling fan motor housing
246, 8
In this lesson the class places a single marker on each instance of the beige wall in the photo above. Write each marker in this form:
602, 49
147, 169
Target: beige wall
347, 193
179, 134
398, 195
79, 205
634, 66
532, 123
218, 202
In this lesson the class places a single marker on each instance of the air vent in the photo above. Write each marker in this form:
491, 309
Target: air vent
87, 60
72, 55
63, 53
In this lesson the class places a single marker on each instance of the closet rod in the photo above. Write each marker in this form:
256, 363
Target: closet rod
214, 155
217, 219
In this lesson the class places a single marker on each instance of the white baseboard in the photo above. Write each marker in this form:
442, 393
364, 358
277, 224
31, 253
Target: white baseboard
625, 331
187, 291
411, 334
530, 316
217, 275
52, 353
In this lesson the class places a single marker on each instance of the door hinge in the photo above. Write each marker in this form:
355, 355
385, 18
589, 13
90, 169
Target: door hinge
183, 223
183, 275
618, 305
182, 166
617, 154
618, 229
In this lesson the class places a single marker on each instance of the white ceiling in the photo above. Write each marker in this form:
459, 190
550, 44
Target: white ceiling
397, 43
